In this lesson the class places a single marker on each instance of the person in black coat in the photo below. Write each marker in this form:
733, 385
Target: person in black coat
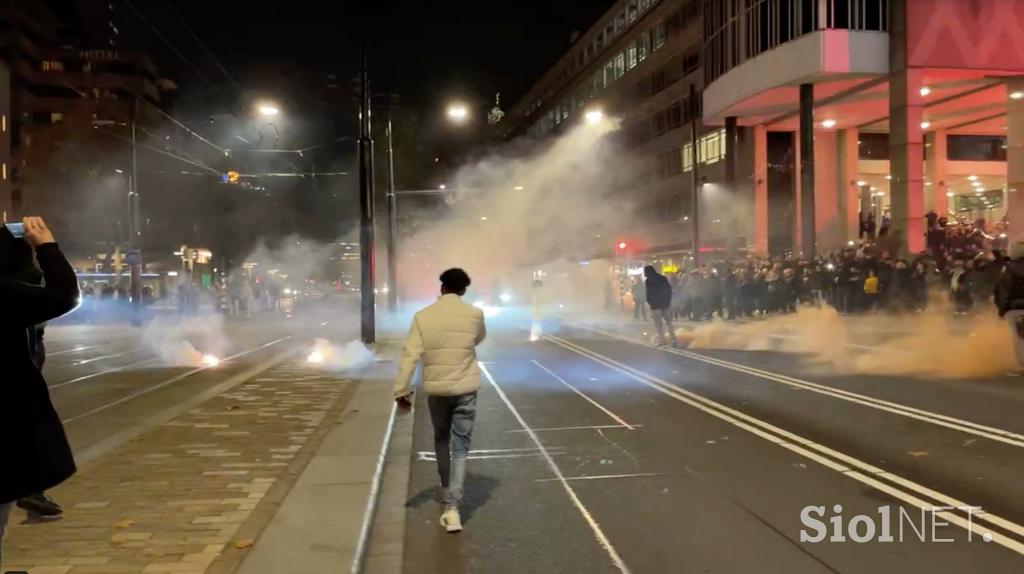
41, 457
659, 297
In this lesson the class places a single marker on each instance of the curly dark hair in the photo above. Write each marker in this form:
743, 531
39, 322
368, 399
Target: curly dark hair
455, 280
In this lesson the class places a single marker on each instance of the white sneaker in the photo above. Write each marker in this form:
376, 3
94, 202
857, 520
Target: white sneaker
450, 520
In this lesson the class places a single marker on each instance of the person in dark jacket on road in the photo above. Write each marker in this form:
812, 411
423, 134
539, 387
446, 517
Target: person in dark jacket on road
40, 457
1009, 297
659, 297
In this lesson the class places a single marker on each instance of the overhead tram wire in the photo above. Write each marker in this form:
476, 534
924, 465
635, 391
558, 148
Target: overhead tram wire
202, 45
169, 44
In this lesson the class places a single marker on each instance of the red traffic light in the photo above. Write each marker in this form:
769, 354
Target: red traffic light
622, 245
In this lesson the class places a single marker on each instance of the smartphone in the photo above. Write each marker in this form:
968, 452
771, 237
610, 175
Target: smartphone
16, 229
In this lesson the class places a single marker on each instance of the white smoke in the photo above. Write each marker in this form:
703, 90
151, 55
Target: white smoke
186, 341
351, 356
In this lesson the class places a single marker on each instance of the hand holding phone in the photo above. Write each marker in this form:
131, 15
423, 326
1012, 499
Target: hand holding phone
36, 232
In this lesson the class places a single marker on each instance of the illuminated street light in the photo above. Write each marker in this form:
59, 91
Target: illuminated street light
861, 183
829, 123
594, 116
268, 109
442, 186
458, 113
972, 178
519, 188
925, 125
925, 90
1016, 95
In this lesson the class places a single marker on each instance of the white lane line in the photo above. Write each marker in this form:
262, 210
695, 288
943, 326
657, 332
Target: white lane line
371, 501
77, 349
846, 465
613, 416
961, 425
594, 526
431, 457
608, 476
590, 427
170, 381
101, 357
106, 372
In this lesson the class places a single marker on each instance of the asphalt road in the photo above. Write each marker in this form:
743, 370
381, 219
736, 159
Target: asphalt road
596, 452
111, 382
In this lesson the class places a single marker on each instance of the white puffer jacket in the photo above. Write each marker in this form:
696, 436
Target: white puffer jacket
444, 336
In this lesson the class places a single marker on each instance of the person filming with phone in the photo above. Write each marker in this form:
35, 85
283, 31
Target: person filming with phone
40, 456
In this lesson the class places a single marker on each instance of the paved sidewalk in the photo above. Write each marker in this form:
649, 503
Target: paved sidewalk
188, 494
318, 526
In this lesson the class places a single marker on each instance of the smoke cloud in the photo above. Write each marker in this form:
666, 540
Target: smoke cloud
185, 341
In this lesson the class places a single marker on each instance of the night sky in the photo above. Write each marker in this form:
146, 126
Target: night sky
428, 51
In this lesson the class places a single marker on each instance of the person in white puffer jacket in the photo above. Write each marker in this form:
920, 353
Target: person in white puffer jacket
443, 337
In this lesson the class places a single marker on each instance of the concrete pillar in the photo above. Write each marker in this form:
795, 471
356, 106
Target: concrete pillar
1015, 160
906, 147
935, 172
732, 150
760, 190
797, 223
807, 212
906, 157
847, 176
828, 227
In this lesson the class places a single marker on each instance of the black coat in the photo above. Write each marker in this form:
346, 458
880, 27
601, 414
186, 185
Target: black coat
659, 292
34, 448
1009, 290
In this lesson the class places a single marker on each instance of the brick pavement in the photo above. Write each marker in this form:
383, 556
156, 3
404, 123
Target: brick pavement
174, 498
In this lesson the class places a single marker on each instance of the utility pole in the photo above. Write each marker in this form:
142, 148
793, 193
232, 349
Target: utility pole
694, 179
366, 250
392, 224
134, 227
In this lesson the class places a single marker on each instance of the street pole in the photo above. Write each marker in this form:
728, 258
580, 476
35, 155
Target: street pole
694, 179
134, 228
392, 225
366, 250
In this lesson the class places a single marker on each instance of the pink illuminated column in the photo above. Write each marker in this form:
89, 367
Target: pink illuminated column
935, 169
1015, 158
828, 226
760, 190
906, 113
849, 173
796, 223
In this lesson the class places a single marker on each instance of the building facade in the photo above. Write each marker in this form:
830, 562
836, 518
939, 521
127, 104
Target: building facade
60, 80
814, 115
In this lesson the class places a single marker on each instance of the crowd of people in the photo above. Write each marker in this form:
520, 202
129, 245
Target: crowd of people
962, 262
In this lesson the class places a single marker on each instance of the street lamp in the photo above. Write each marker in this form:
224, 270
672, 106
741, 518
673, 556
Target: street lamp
458, 113
268, 109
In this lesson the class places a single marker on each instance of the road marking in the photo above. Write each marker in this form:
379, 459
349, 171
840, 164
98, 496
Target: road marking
106, 372
594, 526
170, 381
77, 349
101, 357
431, 457
919, 496
591, 427
613, 416
607, 476
961, 425
359, 557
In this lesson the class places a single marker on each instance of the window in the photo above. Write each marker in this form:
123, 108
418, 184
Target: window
659, 35
687, 154
609, 74
56, 117
598, 81
672, 163
658, 81
620, 65
976, 148
658, 124
711, 147
631, 12
643, 46
53, 66
631, 59
873, 146
644, 5
691, 62
673, 116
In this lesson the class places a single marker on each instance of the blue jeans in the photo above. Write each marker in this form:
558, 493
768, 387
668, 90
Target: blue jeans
453, 428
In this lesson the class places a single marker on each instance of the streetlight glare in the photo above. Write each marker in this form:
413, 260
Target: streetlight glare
268, 109
594, 116
458, 113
